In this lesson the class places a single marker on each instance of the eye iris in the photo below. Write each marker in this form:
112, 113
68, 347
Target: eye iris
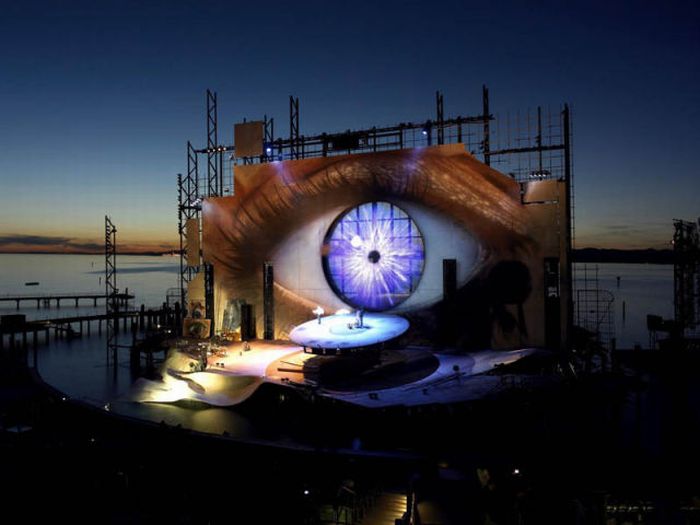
356, 274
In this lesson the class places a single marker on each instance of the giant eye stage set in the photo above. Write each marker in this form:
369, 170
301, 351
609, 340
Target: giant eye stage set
334, 259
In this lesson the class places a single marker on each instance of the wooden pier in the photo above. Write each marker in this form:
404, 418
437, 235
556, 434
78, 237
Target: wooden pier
46, 299
15, 331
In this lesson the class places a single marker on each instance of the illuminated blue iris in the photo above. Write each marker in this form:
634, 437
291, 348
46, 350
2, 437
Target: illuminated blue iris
374, 256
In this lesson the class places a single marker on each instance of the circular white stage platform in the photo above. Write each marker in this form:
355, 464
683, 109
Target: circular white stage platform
340, 332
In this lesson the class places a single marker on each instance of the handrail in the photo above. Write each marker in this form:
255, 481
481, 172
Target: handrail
58, 295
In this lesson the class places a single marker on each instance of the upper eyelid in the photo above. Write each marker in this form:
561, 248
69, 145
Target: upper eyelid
480, 201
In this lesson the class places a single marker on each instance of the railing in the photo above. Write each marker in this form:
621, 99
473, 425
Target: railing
46, 299
60, 295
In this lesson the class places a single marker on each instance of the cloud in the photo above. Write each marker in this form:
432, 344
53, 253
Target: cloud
33, 240
89, 246
634, 235
19, 243
619, 227
14, 242
638, 227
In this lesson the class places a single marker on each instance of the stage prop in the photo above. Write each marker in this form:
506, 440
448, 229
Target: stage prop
431, 234
196, 310
196, 328
373, 256
233, 373
344, 331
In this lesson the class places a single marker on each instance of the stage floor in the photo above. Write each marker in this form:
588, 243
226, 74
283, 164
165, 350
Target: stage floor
411, 376
342, 331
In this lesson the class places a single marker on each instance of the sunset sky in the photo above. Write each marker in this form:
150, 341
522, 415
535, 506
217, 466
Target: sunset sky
98, 99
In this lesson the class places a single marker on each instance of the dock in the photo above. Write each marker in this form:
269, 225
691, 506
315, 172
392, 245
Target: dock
15, 330
46, 299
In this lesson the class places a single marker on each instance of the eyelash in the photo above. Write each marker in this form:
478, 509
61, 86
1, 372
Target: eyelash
261, 221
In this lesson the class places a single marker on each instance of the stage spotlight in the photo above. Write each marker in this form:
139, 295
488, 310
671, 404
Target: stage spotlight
268, 150
306, 492
540, 174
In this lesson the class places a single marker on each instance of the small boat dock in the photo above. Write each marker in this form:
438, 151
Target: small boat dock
46, 300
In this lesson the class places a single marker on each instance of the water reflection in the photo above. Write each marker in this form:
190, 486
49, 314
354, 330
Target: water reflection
643, 289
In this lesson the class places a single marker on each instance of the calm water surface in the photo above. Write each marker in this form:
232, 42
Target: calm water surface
148, 278
78, 366
643, 288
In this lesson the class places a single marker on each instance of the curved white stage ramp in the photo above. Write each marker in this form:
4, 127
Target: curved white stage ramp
234, 373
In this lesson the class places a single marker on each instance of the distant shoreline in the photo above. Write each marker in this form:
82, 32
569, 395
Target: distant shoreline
582, 255
149, 254
608, 255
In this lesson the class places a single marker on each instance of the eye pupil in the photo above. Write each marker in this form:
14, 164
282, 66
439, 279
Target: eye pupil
375, 256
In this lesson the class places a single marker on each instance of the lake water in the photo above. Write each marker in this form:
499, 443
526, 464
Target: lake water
642, 289
148, 278
78, 368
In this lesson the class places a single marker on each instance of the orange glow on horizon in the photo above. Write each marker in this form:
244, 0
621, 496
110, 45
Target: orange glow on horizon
39, 244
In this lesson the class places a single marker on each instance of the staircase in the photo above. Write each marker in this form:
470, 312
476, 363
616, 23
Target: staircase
387, 508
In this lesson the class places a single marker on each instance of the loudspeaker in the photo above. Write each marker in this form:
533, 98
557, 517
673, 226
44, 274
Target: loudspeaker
268, 301
449, 279
247, 322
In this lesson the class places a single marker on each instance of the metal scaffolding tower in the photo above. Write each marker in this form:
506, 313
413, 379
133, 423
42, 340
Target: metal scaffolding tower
294, 127
191, 190
269, 139
440, 113
486, 117
188, 208
214, 153
595, 320
111, 290
686, 274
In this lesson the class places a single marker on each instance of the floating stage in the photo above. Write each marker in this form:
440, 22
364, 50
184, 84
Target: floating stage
363, 374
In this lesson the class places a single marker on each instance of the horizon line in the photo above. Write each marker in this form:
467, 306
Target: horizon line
177, 251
